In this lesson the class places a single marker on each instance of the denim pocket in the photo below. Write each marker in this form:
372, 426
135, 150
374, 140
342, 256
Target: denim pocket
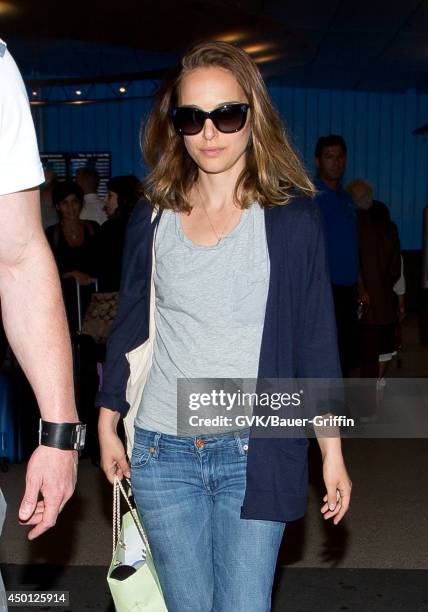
141, 455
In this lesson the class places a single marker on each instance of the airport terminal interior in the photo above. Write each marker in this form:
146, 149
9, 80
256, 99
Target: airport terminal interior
349, 77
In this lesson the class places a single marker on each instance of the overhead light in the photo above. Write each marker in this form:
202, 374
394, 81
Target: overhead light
78, 92
232, 37
7, 8
61, 102
34, 93
257, 48
267, 58
122, 89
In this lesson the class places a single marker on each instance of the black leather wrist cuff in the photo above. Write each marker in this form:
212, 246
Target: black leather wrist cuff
65, 436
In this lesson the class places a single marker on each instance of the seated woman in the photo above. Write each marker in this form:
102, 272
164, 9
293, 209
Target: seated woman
123, 193
73, 244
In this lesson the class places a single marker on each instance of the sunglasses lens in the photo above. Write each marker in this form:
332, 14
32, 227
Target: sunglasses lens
227, 119
187, 120
230, 118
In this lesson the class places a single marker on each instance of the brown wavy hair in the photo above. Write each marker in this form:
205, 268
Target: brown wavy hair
273, 169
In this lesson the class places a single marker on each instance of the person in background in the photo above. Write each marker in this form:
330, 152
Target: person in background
400, 291
32, 308
93, 206
340, 223
49, 213
123, 193
73, 244
380, 269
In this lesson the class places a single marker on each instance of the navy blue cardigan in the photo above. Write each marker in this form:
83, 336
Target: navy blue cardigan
299, 340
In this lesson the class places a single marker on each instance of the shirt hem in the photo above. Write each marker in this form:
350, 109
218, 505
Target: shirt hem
33, 179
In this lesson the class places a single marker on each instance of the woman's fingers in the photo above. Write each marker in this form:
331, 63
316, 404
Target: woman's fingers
331, 508
113, 456
115, 467
124, 467
343, 499
111, 469
332, 497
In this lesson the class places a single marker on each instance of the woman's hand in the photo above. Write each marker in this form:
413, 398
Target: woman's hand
113, 457
81, 277
338, 485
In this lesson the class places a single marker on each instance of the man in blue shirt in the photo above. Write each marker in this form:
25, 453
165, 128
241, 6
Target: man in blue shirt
340, 224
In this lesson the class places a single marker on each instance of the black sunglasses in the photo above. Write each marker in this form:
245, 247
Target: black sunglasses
228, 118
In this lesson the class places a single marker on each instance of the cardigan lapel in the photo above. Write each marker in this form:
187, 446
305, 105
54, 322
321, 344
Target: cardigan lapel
140, 359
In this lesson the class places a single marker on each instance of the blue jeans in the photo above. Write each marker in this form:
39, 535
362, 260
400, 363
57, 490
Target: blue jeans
189, 493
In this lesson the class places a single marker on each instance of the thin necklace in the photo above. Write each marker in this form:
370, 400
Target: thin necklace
216, 234
72, 235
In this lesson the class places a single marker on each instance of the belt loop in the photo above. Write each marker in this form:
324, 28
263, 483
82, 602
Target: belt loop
239, 442
243, 448
155, 446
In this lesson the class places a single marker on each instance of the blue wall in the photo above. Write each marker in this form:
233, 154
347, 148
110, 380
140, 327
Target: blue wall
377, 128
112, 126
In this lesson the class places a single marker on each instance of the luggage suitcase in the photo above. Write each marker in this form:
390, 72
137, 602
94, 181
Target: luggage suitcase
10, 439
86, 380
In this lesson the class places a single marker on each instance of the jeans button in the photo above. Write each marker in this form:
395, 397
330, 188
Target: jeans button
200, 443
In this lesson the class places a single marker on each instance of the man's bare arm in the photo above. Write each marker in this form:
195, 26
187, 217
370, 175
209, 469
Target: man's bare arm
35, 324
33, 312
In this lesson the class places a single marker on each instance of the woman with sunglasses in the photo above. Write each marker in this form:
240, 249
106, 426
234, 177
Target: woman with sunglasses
239, 290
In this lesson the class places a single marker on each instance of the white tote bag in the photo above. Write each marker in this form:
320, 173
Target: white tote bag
138, 589
140, 361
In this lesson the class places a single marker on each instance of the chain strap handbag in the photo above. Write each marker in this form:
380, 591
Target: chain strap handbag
100, 315
132, 578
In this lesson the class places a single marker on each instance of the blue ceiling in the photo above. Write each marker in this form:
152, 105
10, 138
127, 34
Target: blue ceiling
369, 45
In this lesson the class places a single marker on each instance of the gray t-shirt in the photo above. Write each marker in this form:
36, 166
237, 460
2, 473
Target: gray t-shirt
209, 314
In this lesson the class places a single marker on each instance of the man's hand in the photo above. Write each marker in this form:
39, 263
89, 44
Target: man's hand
53, 473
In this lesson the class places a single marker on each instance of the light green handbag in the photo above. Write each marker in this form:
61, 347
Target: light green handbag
141, 591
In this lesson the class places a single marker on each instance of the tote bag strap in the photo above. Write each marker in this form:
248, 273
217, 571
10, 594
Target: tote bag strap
117, 490
152, 287
141, 365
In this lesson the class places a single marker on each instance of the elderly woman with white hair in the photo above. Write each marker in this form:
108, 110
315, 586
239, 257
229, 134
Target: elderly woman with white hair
380, 269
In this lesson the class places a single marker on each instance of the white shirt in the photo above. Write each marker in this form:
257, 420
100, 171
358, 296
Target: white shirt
93, 208
20, 166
